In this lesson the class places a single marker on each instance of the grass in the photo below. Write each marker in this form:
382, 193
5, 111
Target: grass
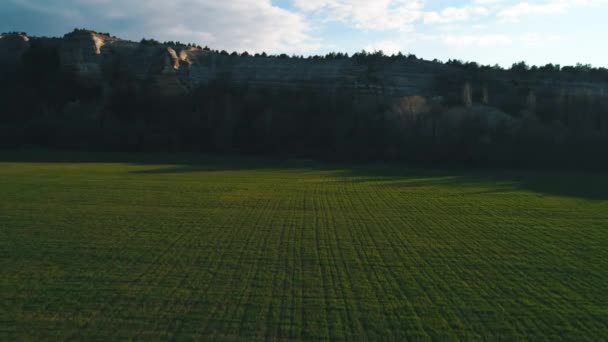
236, 249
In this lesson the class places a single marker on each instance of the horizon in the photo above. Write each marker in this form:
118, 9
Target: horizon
488, 32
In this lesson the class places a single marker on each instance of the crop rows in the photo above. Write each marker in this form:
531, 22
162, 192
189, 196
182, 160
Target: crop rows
239, 250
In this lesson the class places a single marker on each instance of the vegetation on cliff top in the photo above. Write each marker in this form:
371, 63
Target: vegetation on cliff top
581, 70
474, 118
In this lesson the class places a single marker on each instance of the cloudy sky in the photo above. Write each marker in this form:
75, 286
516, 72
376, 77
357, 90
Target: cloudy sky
487, 31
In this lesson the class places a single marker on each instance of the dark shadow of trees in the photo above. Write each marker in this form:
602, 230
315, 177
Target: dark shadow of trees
584, 185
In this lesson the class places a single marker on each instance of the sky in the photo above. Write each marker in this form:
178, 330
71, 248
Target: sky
501, 32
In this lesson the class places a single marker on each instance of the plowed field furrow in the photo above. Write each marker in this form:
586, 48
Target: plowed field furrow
245, 249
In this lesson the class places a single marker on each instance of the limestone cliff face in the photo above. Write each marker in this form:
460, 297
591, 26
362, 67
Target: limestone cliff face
80, 52
96, 59
12, 47
92, 56
393, 79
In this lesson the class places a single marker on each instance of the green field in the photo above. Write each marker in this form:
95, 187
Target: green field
189, 247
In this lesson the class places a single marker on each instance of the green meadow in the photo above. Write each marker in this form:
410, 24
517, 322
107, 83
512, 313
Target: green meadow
112, 246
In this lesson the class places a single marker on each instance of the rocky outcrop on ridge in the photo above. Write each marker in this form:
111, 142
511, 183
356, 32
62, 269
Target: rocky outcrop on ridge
95, 59
12, 47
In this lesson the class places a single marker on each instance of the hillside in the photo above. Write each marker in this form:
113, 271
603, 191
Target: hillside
98, 78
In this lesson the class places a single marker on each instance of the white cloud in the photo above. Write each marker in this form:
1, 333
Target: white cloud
481, 40
267, 25
487, 2
382, 15
537, 39
376, 15
487, 40
454, 14
514, 12
46, 8
389, 47
253, 25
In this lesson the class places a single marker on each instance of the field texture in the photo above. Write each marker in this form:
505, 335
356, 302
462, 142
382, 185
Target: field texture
240, 249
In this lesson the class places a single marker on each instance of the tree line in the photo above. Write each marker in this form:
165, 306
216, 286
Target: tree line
475, 121
581, 70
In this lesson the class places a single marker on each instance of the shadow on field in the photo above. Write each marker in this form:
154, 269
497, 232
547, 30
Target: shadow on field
593, 186
585, 185
181, 169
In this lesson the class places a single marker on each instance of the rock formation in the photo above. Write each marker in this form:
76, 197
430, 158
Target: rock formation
12, 47
173, 70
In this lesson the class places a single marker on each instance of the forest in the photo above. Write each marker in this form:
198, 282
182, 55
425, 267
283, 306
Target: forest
45, 105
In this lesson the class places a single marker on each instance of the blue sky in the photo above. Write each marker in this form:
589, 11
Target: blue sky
487, 31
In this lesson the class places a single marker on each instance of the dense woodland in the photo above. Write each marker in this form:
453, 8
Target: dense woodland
43, 105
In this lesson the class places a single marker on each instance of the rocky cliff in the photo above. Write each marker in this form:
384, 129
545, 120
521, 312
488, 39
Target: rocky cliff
12, 47
92, 91
175, 69
98, 59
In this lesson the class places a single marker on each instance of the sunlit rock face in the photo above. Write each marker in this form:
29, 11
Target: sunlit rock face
12, 47
98, 59
94, 58
175, 70
80, 52
396, 78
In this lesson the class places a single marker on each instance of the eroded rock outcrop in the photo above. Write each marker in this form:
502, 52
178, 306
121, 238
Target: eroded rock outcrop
92, 56
97, 59
12, 47
80, 52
